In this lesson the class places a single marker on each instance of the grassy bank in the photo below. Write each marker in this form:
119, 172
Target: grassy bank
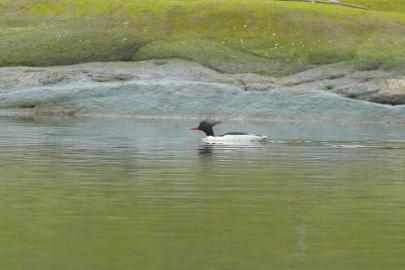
264, 36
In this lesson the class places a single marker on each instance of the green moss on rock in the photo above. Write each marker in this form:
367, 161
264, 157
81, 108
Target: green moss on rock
228, 35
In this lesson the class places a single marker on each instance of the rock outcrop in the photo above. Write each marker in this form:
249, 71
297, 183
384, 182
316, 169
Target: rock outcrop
178, 88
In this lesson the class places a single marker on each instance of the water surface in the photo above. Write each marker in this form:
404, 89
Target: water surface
148, 194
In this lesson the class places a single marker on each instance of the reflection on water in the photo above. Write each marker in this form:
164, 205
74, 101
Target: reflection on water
147, 194
206, 149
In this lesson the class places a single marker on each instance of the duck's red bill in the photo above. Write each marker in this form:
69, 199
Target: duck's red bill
194, 128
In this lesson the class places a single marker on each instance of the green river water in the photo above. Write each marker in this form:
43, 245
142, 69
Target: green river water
147, 194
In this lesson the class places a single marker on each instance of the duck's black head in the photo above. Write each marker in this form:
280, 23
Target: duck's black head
206, 127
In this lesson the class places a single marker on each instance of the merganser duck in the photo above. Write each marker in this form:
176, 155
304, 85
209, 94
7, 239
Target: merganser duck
231, 137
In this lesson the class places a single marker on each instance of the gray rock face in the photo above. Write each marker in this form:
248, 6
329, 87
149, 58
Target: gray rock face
177, 88
373, 86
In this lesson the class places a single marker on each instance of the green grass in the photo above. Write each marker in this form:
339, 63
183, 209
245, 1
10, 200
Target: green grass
381, 5
263, 36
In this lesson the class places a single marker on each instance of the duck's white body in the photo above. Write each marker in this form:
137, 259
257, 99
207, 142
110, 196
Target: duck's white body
236, 139
228, 138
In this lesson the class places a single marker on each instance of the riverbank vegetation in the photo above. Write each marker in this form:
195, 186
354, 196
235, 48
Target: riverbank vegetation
263, 36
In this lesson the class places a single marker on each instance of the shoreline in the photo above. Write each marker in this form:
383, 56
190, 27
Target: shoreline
178, 88
14, 114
